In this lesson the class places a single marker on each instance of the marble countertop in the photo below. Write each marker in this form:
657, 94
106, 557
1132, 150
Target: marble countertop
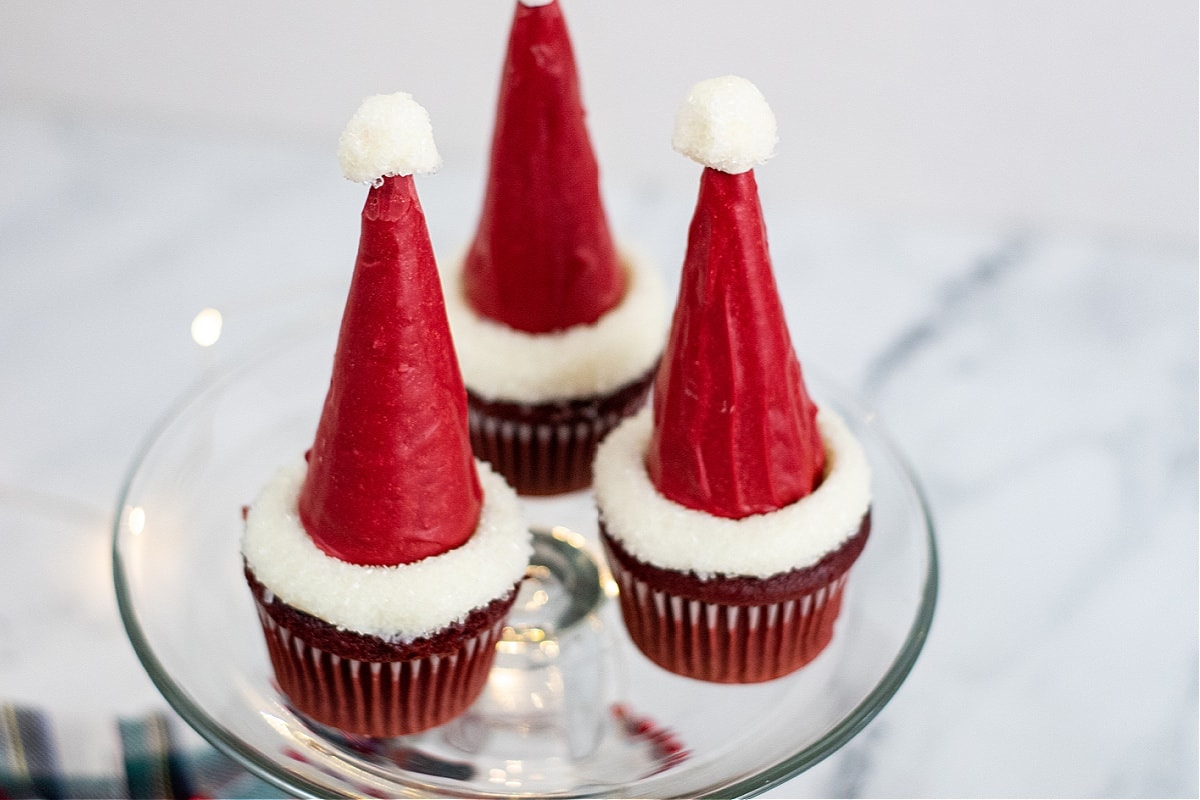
1042, 383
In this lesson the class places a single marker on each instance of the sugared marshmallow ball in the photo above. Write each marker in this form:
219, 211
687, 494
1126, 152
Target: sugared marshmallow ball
726, 124
390, 134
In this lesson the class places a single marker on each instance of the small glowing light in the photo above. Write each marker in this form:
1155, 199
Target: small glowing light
137, 520
206, 327
568, 536
513, 640
539, 599
510, 647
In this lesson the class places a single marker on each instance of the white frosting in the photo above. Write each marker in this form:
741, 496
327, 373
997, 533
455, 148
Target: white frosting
390, 134
502, 363
666, 534
725, 123
536, 3
395, 603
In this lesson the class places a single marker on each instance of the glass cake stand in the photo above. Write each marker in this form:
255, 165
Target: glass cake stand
571, 708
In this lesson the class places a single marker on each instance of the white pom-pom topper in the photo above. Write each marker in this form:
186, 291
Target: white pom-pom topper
725, 123
390, 134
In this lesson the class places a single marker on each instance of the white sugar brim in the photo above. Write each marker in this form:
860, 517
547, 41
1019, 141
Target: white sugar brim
502, 363
663, 533
397, 603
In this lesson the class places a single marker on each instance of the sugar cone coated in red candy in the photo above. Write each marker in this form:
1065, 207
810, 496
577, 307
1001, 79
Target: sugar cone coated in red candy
391, 478
543, 258
735, 431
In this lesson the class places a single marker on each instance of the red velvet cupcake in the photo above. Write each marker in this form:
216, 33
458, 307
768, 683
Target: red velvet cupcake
732, 511
558, 331
384, 563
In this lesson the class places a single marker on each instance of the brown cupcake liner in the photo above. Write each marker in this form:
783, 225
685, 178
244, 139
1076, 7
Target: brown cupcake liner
547, 448
722, 642
379, 698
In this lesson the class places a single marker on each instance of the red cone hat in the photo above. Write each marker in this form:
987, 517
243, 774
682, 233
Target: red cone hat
735, 431
391, 478
543, 258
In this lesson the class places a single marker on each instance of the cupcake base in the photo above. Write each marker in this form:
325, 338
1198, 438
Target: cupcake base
366, 685
547, 448
732, 629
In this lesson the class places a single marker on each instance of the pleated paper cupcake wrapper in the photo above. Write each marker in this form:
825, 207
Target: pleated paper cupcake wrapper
728, 643
540, 458
374, 698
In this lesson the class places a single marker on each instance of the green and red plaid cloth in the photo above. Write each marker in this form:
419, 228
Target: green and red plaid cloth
45, 756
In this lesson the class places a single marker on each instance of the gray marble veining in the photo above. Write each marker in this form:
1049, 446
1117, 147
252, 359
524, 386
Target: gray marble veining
1043, 385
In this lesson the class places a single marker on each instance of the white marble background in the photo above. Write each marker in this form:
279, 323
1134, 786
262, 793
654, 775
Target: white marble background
1044, 386
1040, 374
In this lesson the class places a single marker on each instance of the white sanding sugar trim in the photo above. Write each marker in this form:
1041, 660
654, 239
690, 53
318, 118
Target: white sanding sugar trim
395, 603
536, 3
501, 363
668, 535
725, 123
390, 134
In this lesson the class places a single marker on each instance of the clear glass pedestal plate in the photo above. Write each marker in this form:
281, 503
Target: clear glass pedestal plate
571, 707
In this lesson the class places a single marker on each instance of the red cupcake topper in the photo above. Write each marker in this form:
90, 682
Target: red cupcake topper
735, 432
391, 478
543, 258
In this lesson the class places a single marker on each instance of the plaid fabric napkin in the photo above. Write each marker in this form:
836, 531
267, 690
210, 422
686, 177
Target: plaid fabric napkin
148, 757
